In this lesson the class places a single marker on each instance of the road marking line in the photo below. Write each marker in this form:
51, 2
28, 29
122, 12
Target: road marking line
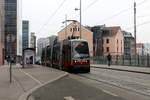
69, 98
108, 92
39, 82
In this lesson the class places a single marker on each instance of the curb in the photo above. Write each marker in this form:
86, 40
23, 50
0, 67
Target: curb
26, 95
122, 70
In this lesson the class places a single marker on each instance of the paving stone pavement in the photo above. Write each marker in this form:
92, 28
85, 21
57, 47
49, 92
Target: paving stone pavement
24, 80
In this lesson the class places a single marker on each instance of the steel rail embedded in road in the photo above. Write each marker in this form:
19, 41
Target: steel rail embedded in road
116, 85
121, 70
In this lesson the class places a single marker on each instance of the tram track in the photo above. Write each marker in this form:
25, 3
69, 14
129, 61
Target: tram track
117, 69
90, 77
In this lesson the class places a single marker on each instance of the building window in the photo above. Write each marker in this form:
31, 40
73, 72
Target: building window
74, 29
70, 29
121, 50
107, 41
117, 49
78, 29
107, 49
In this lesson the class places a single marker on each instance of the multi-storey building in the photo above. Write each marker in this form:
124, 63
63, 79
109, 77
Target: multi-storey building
43, 42
2, 13
113, 41
129, 44
107, 40
13, 40
25, 34
51, 39
73, 30
97, 39
140, 48
33, 40
146, 48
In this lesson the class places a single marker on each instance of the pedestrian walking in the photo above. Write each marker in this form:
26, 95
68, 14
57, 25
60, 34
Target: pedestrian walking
109, 59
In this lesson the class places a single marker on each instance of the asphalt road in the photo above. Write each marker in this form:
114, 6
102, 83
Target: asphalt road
133, 81
127, 85
99, 84
71, 89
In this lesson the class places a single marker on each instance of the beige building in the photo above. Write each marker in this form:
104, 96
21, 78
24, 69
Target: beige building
140, 48
113, 41
73, 29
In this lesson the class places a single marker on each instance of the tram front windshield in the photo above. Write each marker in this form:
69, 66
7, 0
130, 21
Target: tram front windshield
80, 49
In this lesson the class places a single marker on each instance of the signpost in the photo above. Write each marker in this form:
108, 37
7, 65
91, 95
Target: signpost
10, 39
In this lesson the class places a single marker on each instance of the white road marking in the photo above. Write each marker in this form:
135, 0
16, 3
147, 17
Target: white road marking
39, 82
69, 98
108, 92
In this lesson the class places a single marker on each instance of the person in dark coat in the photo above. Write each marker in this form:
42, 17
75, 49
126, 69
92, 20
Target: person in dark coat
109, 59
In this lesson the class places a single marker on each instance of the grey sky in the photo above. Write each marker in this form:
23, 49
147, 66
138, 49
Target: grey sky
98, 12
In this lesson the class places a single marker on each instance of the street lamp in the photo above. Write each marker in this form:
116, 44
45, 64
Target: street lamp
80, 18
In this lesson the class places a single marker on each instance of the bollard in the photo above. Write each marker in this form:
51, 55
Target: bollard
138, 60
130, 59
10, 70
147, 60
123, 60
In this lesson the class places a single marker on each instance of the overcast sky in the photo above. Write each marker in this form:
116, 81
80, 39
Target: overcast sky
46, 19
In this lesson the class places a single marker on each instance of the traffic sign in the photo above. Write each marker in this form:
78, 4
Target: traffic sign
10, 38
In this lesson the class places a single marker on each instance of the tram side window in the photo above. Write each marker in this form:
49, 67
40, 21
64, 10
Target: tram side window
69, 53
57, 54
66, 54
49, 53
53, 57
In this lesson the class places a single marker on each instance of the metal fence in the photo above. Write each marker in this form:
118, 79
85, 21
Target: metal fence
138, 60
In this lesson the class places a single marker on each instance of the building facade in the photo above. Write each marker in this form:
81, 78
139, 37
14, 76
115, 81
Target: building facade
43, 42
107, 40
73, 30
97, 39
113, 41
2, 18
140, 48
13, 40
33, 40
25, 34
146, 48
129, 44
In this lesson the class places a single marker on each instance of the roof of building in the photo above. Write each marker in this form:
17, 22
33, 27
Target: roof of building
114, 29
77, 23
140, 44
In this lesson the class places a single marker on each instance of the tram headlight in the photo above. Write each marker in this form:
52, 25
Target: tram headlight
75, 61
87, 61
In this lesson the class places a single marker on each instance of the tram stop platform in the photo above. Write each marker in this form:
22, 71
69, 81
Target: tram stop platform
26, 80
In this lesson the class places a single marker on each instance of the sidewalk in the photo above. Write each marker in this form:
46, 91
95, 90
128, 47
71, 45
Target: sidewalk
24, 81
144, 70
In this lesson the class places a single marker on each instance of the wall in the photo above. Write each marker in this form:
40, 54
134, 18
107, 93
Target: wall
113, 45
